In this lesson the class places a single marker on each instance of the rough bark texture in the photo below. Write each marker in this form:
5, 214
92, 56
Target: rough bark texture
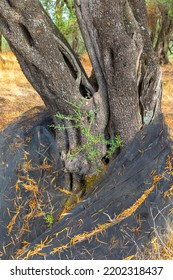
118, 42
128, 77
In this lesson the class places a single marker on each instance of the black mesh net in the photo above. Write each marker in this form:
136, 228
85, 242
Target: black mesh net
115, 218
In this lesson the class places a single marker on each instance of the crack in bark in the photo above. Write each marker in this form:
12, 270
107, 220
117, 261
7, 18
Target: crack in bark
27, 35
10, 3
81, 76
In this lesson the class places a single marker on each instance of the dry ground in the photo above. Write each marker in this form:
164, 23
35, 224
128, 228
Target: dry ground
16, 94
167, 99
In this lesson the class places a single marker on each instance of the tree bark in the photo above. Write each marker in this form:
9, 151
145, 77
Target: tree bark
120, 50
129, 80
55, 72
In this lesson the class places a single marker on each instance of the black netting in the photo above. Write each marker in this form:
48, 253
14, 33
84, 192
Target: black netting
118, 214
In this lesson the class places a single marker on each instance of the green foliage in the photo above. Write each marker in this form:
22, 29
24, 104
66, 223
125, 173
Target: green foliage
63, 15
84, 121
49, 219
168, 6
49, 5
4, 45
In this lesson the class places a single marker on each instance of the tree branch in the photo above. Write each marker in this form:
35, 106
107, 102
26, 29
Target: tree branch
53, 69
90, 35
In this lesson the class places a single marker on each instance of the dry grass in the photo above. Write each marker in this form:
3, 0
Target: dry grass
16, 94
160, 247
167, 99
86, 63
20, 219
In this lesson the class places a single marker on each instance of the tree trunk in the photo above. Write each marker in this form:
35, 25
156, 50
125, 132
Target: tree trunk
161, 25
55, 72
128, 77
164, 36
120, 49
162, 49
134, 195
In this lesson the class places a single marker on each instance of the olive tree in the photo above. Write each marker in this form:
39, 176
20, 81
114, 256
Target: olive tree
126, 93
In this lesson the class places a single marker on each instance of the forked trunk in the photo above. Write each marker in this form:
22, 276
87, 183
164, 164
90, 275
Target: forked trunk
128, 91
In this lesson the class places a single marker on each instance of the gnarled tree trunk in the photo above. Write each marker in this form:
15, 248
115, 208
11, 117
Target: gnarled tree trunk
119, 46
129, 80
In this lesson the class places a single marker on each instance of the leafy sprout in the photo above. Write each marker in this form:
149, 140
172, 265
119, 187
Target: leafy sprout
90, 148
49, 219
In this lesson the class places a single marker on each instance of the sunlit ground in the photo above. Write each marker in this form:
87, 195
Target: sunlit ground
16, 94
167, 99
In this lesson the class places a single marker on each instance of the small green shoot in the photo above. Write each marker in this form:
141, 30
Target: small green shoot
84, 121
49, 219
